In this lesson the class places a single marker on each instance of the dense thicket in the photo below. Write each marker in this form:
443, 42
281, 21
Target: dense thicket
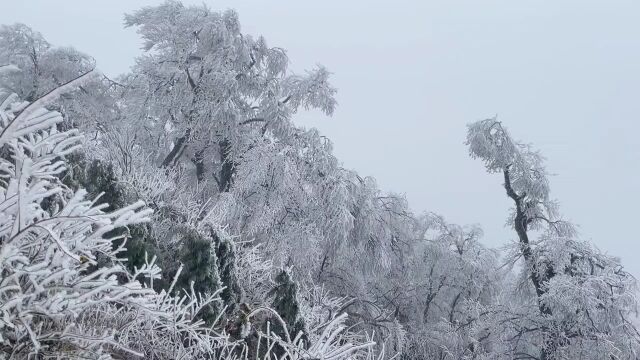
255, 242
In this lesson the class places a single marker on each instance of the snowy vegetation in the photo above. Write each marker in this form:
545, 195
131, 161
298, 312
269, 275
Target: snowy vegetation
177, 212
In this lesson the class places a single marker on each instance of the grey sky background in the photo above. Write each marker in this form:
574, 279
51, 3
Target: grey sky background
563, 75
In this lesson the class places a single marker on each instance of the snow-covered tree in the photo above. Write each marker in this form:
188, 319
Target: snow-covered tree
583, 300
212, 86
38, 67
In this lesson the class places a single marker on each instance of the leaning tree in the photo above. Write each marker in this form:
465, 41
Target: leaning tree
581, 300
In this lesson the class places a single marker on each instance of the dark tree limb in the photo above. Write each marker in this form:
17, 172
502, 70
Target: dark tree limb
177, 149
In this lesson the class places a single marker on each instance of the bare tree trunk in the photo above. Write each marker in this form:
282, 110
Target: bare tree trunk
453, 307
521, 223
198, 160
178, 149
225, 178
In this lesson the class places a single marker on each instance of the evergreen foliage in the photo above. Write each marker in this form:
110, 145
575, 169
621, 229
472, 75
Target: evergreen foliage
285, 303
200, 270
227, 268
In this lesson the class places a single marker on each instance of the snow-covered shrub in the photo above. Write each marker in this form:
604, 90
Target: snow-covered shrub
63, 291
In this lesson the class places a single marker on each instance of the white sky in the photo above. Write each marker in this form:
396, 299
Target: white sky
564, 75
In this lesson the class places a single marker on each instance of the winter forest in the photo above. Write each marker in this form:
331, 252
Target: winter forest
178, 212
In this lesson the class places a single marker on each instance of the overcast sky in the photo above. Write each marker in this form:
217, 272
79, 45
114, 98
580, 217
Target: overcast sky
563, 75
